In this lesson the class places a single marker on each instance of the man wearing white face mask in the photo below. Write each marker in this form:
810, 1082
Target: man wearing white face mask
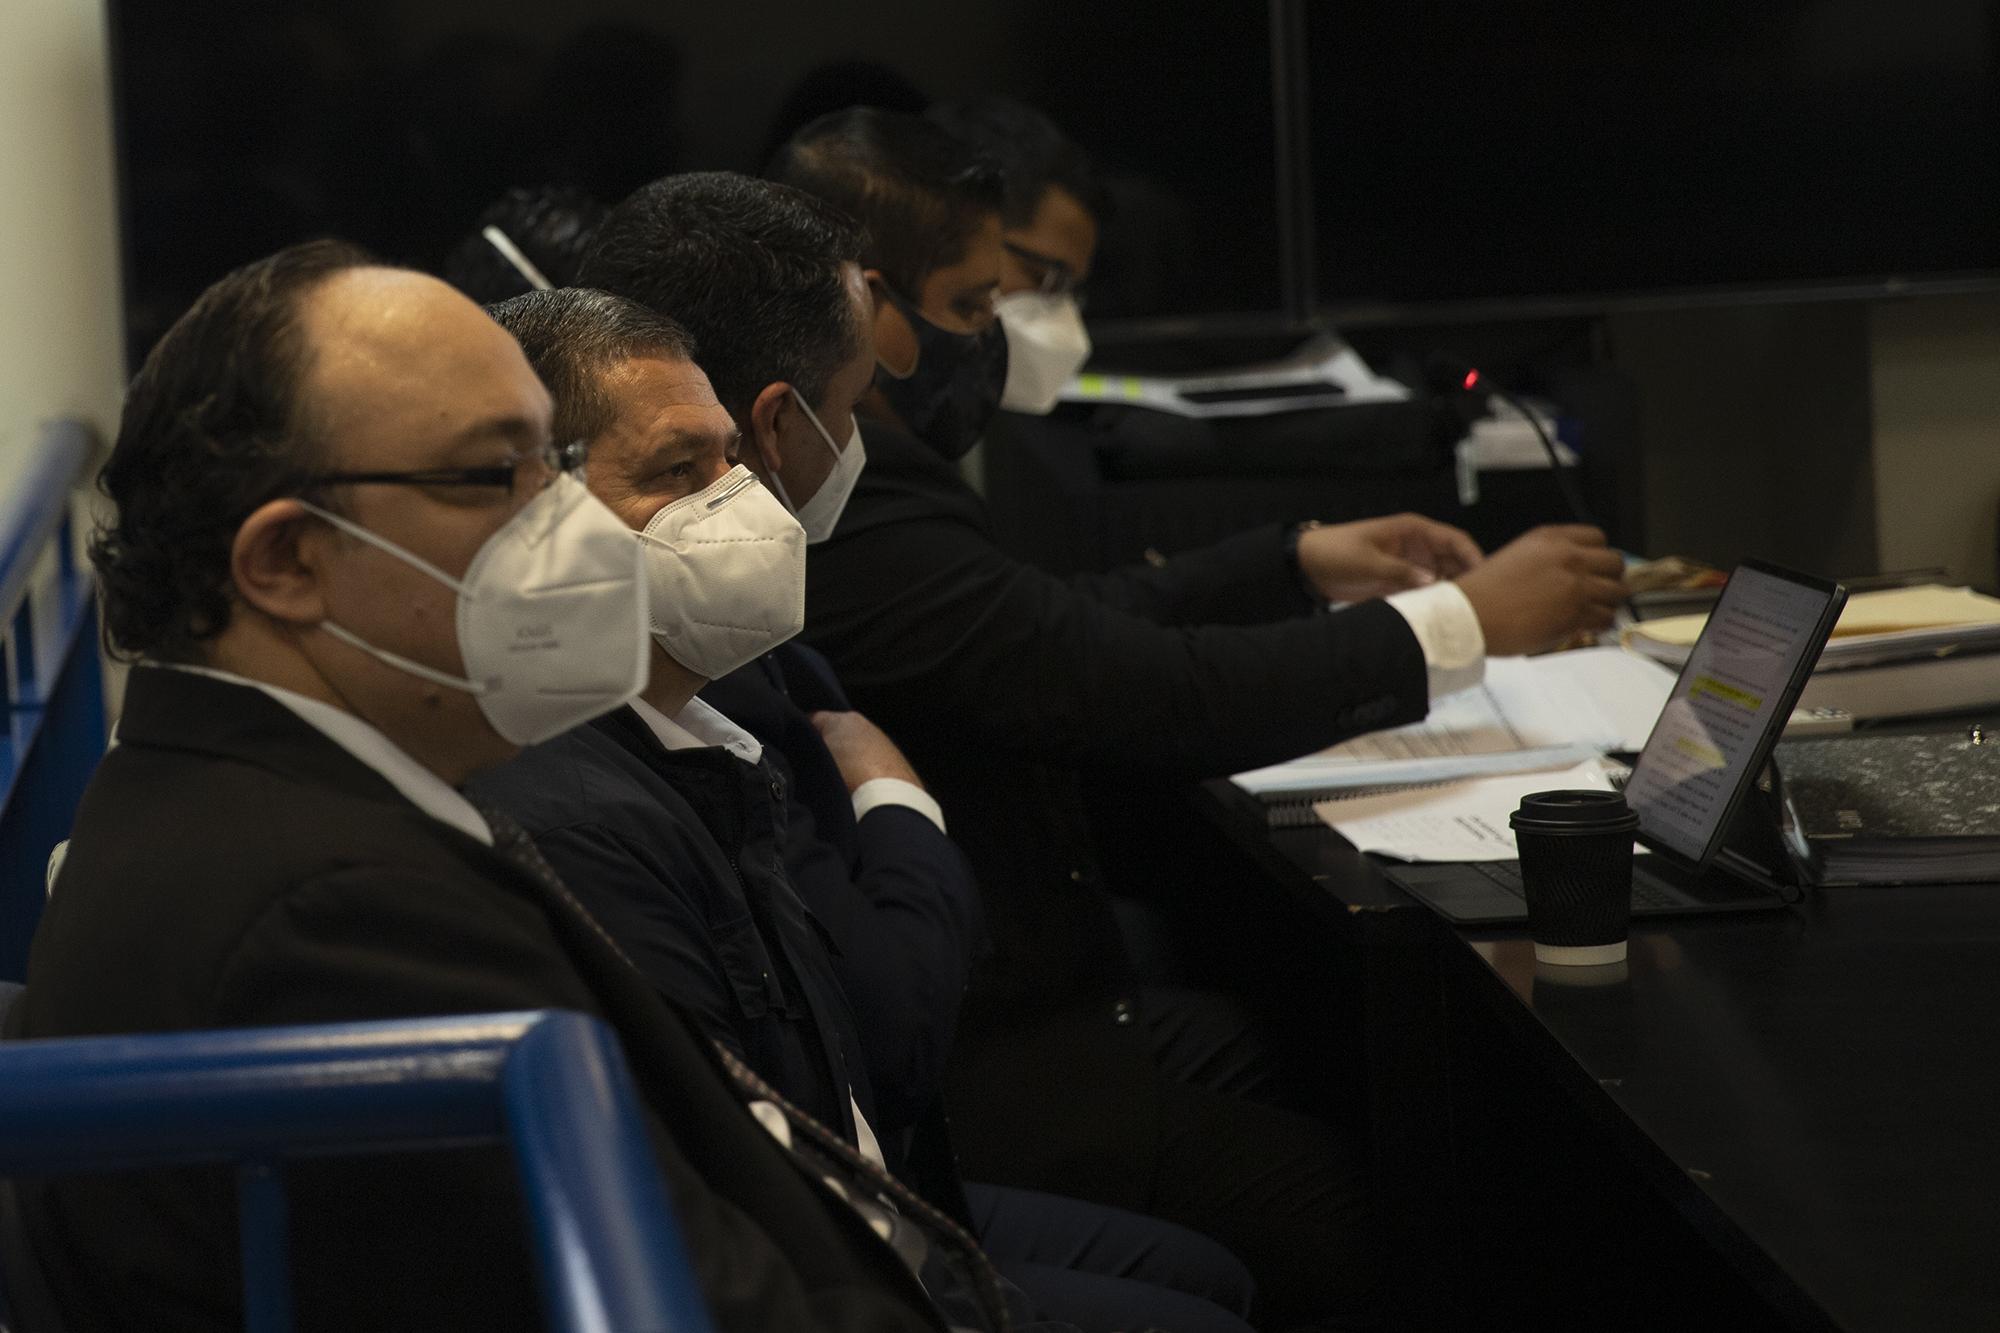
661, 816
680, 831
1051, 203
351, 575
1018, 691
767, 281
1048, 229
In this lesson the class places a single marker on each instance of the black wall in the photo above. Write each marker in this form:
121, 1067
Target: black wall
1502, 154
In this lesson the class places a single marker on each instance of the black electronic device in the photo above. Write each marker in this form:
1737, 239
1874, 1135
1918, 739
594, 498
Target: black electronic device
1695, 785
1450, 374
1569, 156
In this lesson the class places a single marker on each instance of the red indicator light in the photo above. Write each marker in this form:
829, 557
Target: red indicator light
1471, 379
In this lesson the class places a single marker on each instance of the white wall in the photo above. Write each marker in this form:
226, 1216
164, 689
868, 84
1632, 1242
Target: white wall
60, 338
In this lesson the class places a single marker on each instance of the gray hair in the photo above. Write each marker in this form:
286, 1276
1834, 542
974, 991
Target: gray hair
573, 335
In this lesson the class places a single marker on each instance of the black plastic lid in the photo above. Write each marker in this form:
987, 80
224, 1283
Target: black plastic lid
1574, 813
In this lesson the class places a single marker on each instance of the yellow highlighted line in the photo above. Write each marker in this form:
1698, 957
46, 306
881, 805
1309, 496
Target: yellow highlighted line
1706, 755
1728, 694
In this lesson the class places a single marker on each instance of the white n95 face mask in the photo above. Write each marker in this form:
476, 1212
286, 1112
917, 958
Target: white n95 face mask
551, 615
1046, 346
821, 514
726, 575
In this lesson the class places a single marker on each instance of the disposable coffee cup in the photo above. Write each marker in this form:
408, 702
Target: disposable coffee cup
1576, 871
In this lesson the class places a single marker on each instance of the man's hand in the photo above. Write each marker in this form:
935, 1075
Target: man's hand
862, 750
1542, 588
1351, 562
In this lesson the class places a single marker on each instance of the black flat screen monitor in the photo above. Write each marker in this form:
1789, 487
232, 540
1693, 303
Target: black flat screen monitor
1535, 152
245, 125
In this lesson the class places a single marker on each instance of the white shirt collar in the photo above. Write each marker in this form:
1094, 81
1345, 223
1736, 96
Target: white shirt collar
423, 788
699, 726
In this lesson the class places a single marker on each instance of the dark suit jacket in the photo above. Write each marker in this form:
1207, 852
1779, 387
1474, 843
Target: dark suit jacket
680, 853
1003, 683
230, 866
894, 893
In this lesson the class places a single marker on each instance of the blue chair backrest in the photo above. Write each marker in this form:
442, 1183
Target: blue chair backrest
52, 686
552, 1086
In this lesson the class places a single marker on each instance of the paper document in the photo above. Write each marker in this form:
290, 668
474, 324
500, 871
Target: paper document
1896, 623
1529, 712
1456, 821
1322, 372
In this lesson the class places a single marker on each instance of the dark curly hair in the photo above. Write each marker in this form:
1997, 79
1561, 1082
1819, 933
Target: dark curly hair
573, 335
213, 428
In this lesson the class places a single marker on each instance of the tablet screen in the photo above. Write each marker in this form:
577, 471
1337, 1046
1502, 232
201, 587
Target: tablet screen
1727, 707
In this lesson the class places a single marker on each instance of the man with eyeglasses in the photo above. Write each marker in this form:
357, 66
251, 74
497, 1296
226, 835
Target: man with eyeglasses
351, 571
1050, 205
1007, 687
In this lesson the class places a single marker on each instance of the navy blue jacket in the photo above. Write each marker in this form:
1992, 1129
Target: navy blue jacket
681, 855
894, 893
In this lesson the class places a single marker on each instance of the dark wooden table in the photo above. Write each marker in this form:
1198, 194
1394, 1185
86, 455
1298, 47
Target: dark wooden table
1782, 1120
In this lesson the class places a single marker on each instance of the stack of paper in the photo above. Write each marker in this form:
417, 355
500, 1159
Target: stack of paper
1895, 624
1896, 653
1453, 821
1529, 713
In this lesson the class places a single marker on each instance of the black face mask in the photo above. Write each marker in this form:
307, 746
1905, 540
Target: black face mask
955, 389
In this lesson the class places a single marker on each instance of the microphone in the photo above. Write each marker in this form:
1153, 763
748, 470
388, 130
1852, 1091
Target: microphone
1449, 374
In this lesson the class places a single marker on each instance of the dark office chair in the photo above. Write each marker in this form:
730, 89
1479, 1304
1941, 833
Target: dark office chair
552, 1086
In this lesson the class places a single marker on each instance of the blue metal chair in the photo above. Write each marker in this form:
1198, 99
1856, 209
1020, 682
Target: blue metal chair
552, 1086
52, 724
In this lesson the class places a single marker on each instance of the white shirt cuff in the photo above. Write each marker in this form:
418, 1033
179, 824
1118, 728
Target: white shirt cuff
1447, 629
895, 791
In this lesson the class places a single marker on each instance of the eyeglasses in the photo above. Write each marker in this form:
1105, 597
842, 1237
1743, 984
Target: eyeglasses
1057, 277
529, 472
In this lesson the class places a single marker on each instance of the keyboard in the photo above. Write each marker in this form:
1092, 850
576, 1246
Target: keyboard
1647, 890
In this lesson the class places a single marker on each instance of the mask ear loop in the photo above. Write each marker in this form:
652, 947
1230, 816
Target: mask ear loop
777, 484
353, 640
397, 660
778, 489
813, 417
511, 252
910, 318
381, 543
